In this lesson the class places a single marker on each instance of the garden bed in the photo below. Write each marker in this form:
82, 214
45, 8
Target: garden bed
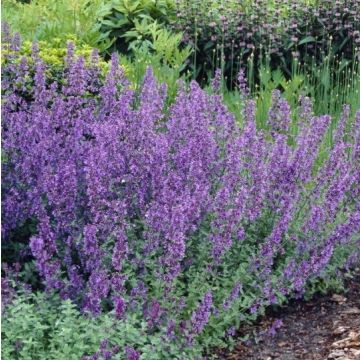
174, 173
326, 327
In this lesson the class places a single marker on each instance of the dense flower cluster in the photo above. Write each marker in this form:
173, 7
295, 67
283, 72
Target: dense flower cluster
120, 184
201, 315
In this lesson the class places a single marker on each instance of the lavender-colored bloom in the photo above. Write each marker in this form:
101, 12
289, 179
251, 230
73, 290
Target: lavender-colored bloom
277, 324
254, 309
154, 311
120, 251
217, 81
170, 329
98, 290
91, 248
7, 293
242, 83
279, 114
120, 307
131, 353
233, 296
201, 315
231, 331
305, 110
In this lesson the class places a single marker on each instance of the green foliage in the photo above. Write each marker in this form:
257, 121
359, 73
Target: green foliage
329, 85
53, 53
51, 20
162, 52
44, 327
128, 21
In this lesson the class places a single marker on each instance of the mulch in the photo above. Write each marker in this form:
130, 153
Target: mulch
327, 327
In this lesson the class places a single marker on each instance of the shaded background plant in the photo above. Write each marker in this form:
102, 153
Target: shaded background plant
127, 22
227, 34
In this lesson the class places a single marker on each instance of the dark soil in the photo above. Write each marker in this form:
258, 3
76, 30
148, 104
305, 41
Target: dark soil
327, 327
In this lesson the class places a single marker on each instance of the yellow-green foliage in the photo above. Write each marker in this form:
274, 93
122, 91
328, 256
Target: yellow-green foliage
53, 54
163, 54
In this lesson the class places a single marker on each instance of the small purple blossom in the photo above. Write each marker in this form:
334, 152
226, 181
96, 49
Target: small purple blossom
201, 315
131, 353
120, 307
233, 296
275, 326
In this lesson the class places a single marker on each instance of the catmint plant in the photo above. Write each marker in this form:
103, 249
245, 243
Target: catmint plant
171, 213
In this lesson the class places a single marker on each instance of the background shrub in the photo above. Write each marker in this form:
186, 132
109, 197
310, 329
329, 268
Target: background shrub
129, 23
231, 33
162, 52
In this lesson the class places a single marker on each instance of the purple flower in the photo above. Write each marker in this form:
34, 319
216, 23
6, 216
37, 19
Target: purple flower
120, 307
242, 83
201, 315
131, 353
129, 190
233, 296
277, 324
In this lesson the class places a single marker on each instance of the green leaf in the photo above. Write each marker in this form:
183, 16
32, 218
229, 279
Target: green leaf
306, 40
